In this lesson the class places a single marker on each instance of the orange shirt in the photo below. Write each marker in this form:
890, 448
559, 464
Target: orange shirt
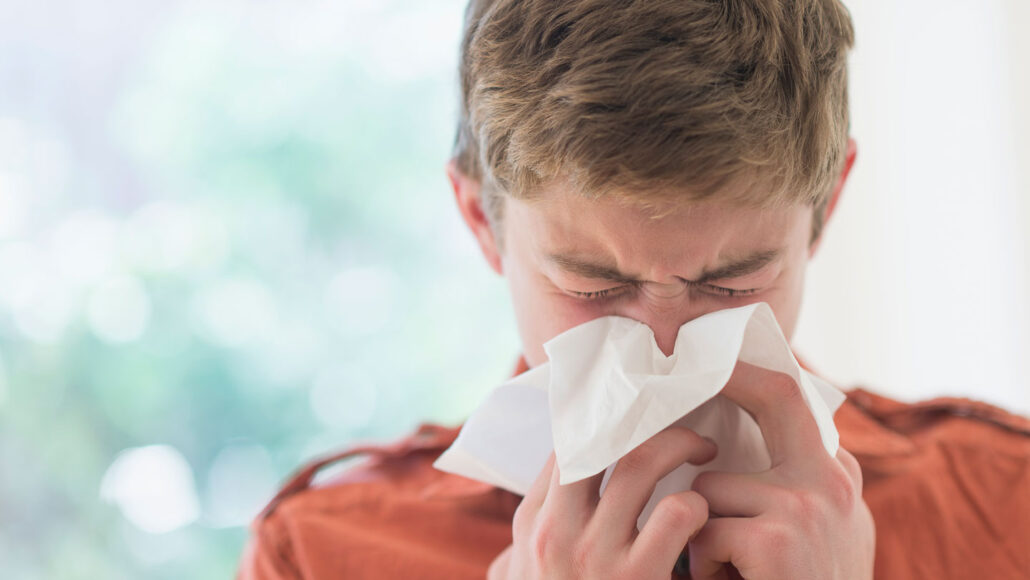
948, 483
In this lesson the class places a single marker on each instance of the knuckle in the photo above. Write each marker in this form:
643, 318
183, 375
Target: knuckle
581, 556
682, 509
774, 538
702, 482
546, 541
630, 572
851, 466
543, 545
782, 386
642, 458
805, 505
591, 557
680, 434
521, 521
659, 449
842, 492
836, 494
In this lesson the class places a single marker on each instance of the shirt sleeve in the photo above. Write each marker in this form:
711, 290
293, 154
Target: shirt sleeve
268, 555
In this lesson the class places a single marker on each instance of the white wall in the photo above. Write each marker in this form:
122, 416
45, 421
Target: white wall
921, 286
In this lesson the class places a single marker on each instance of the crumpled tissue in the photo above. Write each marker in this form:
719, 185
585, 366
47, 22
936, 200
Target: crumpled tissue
607, 388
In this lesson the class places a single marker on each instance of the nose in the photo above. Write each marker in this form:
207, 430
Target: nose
666, 328
665, 307
665, 322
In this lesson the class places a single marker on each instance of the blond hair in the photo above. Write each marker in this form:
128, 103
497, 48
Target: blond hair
655, 100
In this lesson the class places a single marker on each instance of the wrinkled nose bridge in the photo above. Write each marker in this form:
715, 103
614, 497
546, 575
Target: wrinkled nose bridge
665, 309
664, 294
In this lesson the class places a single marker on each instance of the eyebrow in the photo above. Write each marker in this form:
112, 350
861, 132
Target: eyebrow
588, 269
739, 268
735, 269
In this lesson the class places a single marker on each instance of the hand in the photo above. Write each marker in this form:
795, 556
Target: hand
566, 531
803, 518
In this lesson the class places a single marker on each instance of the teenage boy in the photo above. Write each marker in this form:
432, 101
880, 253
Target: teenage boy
660, 160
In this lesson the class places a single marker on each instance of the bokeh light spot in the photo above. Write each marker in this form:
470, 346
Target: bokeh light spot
3, 380
119, 310
153, 488
13, 211
42, 309
84, 246
236, 312
18, 263
166, 237
343, 396
362, 300
241, 480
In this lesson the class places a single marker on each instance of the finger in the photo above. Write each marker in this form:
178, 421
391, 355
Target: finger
736, 494
712, 549
851, 466
530, 506
777, 404
557, 513
538, 490
580, 494
675, 520
567, 509
635, 475
498, 569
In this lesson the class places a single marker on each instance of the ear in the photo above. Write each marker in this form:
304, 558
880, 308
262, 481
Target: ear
849, 161
470, 204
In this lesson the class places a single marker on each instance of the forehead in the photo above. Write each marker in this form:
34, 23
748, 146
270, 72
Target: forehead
684, 238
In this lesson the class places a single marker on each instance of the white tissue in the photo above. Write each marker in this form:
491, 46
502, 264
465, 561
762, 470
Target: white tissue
608, 387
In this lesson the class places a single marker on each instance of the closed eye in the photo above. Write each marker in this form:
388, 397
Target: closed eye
719, 290
600, 294
618, 291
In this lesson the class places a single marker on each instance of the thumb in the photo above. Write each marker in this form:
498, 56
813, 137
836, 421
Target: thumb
710, 552
499, 567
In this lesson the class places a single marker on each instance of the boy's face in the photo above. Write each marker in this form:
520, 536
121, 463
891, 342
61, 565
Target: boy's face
569, 259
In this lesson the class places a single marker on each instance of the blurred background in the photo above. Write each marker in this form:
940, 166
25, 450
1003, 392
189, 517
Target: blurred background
227, 245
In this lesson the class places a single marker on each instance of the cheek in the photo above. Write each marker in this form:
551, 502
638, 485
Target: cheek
541, 310
786, 301
542, 313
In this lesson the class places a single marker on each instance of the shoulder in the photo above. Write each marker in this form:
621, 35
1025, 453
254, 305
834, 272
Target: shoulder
947, 481
390, 513
881, 430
